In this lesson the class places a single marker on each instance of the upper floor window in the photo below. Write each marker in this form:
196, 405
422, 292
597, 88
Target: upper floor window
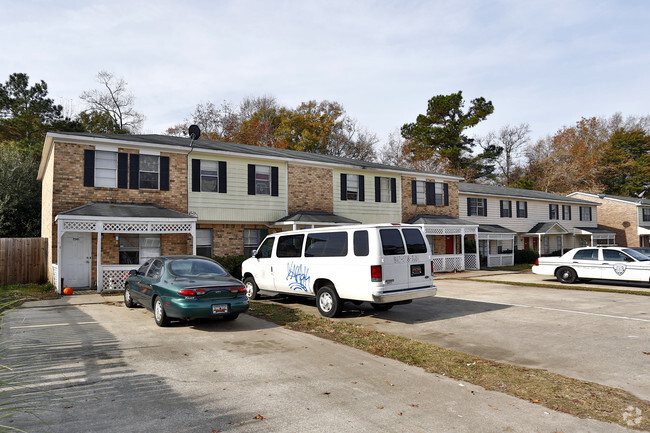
148, 172
476, 206
105, 169
522, 209
385, 189
566, 212
506, 209
262, 180
430, 193
149, 169
645, 213
352, 187
208, 176
585, 213
553, 211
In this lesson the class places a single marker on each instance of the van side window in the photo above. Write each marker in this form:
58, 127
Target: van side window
327, 245
264, 251
415, 243
361, 243
290, 246
391, 242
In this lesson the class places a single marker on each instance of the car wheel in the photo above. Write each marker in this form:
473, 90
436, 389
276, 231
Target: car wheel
251, 288
159, 313
128, 300
381, 307
229, 317
566, 275
328, 302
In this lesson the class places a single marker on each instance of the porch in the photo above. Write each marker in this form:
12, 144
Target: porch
123, 236
496, 246
593, 236
548, 237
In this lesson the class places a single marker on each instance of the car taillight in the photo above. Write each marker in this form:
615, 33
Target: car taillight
537, 262
375, 273
186, 292
238, 289
431, 267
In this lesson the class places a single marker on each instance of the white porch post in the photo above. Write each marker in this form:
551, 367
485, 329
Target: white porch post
539, 244
193, 233
59, 235
100, 273
462, 246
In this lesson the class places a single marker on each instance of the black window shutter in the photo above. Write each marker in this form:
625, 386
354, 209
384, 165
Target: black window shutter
393, 190
569, 212
430, 193
251, 179
509, 208
164, 173
501, 206
525, 209
344, 186
362, 188
222, 177
445, 188
414, 191
89, 167
590, 215
377, 188
122, 170
196, 175
134, 171
469, 206
484, 207
274, 181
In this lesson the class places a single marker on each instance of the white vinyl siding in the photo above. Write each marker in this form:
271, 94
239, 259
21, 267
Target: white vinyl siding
368, 211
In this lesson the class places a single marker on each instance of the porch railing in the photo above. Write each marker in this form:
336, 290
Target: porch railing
472, 262
112, 277
495, 261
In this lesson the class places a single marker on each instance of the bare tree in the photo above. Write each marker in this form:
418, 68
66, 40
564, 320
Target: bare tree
513, 140
114, 101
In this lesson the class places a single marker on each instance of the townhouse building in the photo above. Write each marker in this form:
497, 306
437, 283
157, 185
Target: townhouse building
512, 218
109, 202
627, 217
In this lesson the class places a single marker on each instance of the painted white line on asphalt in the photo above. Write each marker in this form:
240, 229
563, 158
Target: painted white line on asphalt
47, 325
579, 312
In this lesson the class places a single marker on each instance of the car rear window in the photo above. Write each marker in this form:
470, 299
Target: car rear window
196, 268
391, 242
415, 243
327, 245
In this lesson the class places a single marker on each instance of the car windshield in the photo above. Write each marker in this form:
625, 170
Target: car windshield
196, 268
637, 255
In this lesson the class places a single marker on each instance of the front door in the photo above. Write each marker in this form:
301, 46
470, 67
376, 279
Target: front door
75, 259
449, 245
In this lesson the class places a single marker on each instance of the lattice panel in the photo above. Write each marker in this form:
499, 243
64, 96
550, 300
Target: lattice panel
55, 277
438, 264
434, 231
79, 226
125, 228
113, 279
171, 228
471, 262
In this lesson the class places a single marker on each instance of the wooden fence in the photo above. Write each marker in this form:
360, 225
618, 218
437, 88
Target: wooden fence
23, 260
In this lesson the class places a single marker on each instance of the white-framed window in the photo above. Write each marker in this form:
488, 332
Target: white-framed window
439, 194
506, 209
585, 213
105, 169
384, 189
204, 242
149, 170
476, 206
645, 212
352, 187
566, 212
252, 238
209, 176
137, 249
262, 180
420, 192
553, 212
522, 209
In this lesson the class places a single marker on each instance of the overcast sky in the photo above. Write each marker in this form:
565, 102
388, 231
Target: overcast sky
547, 63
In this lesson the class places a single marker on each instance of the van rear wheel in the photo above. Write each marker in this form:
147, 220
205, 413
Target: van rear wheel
328, 302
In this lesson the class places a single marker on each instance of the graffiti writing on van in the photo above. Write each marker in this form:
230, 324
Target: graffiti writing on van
298, 277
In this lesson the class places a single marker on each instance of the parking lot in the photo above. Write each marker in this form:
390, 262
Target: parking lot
93, 365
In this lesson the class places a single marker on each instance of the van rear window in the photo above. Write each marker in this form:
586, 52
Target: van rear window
290, 246
415, 243
327, 245
391, 242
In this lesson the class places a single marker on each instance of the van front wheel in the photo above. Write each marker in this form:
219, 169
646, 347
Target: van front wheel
328, 302
251, 288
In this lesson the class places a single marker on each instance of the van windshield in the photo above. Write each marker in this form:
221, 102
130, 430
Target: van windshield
391, 242
415, 243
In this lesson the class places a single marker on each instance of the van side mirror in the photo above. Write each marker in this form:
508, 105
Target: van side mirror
255, 253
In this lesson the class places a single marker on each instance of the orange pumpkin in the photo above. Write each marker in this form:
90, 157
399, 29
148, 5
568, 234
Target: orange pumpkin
68, 291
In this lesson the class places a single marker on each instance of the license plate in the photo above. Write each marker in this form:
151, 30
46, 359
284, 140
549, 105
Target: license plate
417, 270
219, 309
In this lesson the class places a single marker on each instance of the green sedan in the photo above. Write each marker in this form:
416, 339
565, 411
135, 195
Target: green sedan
185, 287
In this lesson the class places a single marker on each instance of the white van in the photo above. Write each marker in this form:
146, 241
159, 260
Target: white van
384, 264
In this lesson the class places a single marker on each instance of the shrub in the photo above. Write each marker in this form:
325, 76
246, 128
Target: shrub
526, 256
232, 264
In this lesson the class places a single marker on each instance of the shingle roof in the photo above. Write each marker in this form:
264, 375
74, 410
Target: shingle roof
493, 228
478, 189
245, 149
124, 210
317, 217
544, 228
634, 200
439, 220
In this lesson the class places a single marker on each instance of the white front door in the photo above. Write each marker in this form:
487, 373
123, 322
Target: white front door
75, 259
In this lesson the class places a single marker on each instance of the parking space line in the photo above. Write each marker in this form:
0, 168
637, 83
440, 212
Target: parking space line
51, 324
580, 312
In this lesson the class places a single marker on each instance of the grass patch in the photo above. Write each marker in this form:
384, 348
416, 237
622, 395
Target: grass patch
563, 287
14, 295
521, 267
575, 397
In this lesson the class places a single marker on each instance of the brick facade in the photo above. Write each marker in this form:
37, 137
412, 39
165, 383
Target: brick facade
410, 210
616, 216
311, 188
228, 239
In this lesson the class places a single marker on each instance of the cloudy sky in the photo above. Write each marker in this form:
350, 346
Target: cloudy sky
547, 63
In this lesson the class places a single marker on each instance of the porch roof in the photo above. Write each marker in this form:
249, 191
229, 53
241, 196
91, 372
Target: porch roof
440, 220
124, 210
547, 228
494, 228
315, 217
592, 231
